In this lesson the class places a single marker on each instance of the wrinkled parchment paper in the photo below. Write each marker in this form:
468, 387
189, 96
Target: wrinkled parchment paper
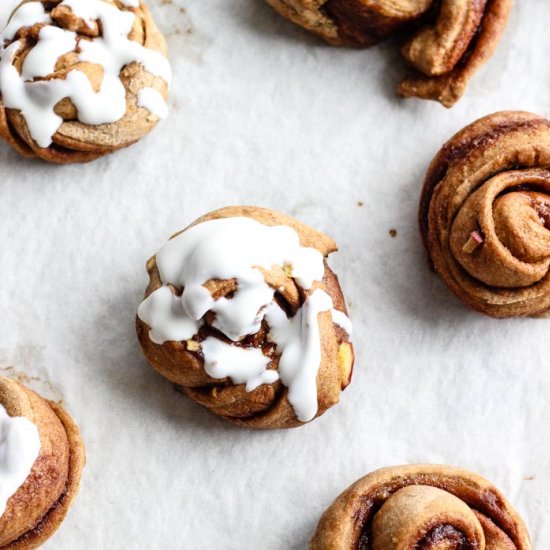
262, 113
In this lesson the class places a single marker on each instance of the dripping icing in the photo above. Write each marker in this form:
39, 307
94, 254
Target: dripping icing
26, 15
213, 250
150, 99
36, 99
243, 365
6, 9
19, 449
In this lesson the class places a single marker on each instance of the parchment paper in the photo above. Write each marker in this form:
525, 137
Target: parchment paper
262, 113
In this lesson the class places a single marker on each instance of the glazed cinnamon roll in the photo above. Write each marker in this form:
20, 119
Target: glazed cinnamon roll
80, 78
485, 214
244, 314
421, 507
445, 42
42, 460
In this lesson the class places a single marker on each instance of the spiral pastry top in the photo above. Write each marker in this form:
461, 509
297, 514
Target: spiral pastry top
485, 214
421, 507
42, 456
243, 313
444, 42
80, 78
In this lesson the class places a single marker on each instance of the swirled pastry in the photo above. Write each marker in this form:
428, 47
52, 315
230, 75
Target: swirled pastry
42, 456
243, 313
444, 42
80, 78
485, 214
421, 507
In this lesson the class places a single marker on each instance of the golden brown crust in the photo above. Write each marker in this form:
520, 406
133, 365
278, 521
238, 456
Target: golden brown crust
75, 141
267, 406
352, 22
421, 507
484, 214
455, 38
444, 67
40, 505
309, 15
366, 22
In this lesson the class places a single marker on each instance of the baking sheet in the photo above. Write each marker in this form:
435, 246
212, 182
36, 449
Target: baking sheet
262, 113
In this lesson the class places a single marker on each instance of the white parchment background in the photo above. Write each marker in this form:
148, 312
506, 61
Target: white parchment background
262, 113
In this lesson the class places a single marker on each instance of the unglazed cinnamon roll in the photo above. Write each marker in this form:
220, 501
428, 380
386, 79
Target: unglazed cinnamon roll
485, 214
444, 42
42, 456
80, 78
244, 314
421, 507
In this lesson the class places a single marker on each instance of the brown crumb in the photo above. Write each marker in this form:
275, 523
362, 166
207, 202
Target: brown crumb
393, 233
360, 203
529, 478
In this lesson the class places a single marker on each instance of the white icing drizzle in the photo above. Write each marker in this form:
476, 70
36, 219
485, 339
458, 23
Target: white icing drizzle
342, 320
299, 342
163, 312
19, 449
36, 99
234, 248
243, 365
152, 100
52, 43
27, 15
6, 9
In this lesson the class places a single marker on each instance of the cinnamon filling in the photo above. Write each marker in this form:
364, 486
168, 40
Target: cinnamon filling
448, 534
543, 210
42, 525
